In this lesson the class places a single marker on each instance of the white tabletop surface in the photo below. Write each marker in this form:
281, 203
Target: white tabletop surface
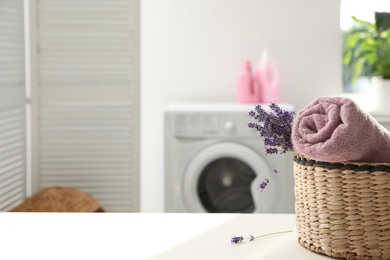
148, 236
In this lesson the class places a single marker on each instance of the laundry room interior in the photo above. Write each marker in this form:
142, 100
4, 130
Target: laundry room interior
194, 51
145, 105
196, 129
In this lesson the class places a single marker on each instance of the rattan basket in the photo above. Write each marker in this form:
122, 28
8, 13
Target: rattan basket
343, 209
59, 199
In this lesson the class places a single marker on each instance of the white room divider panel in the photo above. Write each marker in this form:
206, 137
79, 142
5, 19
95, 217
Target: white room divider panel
87, 92
12, 105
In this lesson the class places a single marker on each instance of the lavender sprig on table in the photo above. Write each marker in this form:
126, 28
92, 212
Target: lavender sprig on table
237, 240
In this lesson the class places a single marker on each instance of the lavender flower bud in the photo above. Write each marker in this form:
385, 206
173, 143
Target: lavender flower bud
263, 185
236, 240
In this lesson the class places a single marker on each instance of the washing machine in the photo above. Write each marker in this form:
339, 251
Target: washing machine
214, 163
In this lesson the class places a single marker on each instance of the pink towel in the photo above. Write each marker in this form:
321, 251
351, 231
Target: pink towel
335, 129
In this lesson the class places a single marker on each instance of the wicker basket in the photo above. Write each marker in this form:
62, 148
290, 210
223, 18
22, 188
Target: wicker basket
343, 210
59, 199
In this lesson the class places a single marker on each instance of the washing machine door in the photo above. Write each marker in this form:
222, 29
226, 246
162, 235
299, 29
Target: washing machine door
223, 178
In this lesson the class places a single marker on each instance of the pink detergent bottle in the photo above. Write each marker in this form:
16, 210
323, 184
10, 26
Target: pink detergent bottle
267, 79
246, 85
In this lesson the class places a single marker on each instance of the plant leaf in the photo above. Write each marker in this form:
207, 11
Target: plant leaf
382, 21
357, 68
364, 23
351, 40
347, 57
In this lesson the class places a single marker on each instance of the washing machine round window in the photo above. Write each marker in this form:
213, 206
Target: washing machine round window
224, 186
222, 178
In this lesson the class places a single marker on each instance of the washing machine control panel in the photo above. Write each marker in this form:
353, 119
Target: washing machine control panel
211, 125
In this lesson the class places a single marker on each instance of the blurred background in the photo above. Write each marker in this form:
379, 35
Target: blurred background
85, 84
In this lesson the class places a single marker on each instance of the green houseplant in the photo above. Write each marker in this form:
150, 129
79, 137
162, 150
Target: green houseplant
367, 53
367, 47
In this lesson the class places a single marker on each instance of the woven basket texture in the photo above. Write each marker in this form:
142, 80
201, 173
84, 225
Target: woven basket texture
59, 199
343, 209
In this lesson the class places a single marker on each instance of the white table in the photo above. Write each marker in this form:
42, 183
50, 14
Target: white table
148, 236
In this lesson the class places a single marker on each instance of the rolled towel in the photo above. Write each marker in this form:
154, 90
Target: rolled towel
336, 129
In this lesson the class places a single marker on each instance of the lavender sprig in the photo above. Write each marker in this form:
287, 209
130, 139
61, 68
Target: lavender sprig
274, 127
237, 240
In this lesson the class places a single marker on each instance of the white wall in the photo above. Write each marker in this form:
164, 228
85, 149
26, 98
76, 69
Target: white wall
193, 50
